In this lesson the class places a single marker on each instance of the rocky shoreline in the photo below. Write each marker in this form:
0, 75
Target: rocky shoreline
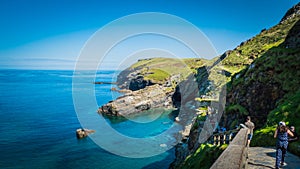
173, 93
253, 89
134, 102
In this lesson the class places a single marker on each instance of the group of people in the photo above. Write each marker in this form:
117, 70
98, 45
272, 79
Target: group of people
284, 136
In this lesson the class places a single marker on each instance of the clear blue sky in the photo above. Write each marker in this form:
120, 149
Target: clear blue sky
48, 34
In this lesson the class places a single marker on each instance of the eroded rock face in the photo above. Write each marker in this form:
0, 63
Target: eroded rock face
295, 10
293, 38
139, 83
132, 79
259, 98
154, 96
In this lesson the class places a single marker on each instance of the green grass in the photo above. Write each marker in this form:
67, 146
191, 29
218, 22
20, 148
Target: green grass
255, 47
157, 75
194, 63
271, 45
288, 111
206, 99
264, 137
160, 69
236, 108
200, 118
274, 66
203, 158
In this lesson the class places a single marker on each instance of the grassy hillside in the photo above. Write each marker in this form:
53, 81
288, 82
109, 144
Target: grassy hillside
289, 111
262, 81
262, 77
243, 55
266, 79
159, 70
203, 158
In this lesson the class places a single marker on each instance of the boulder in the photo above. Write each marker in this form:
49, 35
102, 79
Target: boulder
82, 133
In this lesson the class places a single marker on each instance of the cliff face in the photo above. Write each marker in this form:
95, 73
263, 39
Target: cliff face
263, 82
151, 83
291, 13
262, 77
134, 102
132, 79
164, 71
272, 75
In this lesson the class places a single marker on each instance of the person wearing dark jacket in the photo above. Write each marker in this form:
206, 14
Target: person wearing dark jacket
295, 137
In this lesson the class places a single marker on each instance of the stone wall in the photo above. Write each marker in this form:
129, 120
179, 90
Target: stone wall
234, 157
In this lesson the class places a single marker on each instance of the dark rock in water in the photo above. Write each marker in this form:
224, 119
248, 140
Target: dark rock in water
137, 101
104, 82
81, 133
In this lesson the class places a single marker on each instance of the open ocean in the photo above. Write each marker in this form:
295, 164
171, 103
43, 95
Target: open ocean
38, 124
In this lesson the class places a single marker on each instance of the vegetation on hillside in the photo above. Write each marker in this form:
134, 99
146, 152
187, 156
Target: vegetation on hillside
262, 67
159, 70
289, 111
262, 77
266, 60
203, 157
248, 51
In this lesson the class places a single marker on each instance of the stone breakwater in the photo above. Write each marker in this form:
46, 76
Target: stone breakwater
134, 102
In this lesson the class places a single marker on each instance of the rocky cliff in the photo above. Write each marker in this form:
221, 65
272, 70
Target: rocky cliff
262, 81
154, 96
269, 72
151, 83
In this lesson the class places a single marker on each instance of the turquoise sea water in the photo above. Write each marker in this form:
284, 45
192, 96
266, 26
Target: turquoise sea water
38, 124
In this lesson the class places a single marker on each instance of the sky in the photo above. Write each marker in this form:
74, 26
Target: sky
50, 34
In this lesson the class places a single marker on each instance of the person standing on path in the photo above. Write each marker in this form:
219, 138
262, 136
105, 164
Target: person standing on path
295, 137
281, 133
250, 126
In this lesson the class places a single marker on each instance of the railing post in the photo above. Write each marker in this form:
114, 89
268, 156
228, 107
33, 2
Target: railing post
215, 140
234, 156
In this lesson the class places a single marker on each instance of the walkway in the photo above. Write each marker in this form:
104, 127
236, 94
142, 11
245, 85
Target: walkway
264, 158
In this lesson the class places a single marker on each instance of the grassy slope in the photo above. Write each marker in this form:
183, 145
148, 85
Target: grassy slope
248, 51
270, 56
289, 111
266, 51
203, 158
160, 69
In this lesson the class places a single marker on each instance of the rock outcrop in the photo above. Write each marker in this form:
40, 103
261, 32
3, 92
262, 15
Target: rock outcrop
154, 96
265, 70
260, 86
295, 10
132, 79
139, 83
82, 133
